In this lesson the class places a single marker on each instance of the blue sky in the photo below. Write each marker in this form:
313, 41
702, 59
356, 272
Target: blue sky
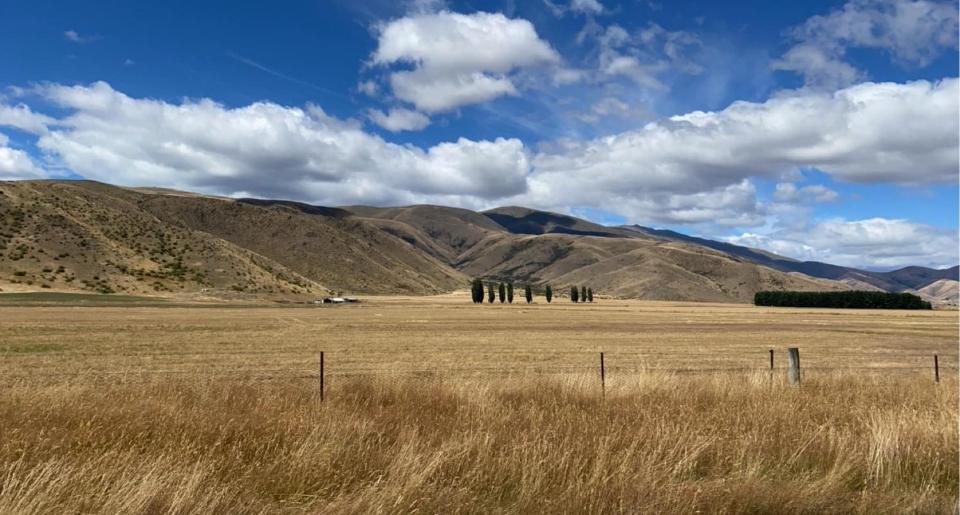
820, 130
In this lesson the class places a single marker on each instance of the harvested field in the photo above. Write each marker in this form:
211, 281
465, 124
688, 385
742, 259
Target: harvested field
438, 405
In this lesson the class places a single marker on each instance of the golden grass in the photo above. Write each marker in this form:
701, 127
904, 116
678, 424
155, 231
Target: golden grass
170, 410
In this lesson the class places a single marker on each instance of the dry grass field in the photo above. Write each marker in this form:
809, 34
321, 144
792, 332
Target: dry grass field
435, 405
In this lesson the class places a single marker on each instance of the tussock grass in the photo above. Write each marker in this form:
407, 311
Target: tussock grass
656, 442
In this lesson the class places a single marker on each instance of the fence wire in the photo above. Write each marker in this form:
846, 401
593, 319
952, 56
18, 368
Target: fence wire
335, 374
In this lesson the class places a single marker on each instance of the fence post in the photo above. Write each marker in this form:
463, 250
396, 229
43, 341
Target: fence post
771, 365
793, 357
321, 376
603, 377
936, 368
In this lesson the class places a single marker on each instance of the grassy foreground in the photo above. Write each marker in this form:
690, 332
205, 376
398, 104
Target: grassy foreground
657, 443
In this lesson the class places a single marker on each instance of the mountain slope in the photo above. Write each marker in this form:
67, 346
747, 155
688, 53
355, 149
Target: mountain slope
78, 235
521, 220
538, 247
942, 291
88, 236
908, 278
332, 247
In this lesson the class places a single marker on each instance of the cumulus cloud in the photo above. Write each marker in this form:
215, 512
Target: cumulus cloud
16, 164
23, 118
913, 32
590, 7
697, 168
878, 243
457, 59
399, 119
901, 133
815, 193
266, 149
870, 133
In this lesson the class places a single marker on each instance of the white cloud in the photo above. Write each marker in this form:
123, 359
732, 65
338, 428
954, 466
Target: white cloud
399, 119
426, 6
613, 107
435, 93
564, 76
586, 6
16, 164
697, 168
575, 6
75, 37
818, 67
645, 55
872, 243
458, 59
265, 149
870, 133
914, 32
816, 193
368, 87
22, 117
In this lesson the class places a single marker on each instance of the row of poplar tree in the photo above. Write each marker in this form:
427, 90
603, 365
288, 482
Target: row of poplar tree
505, 292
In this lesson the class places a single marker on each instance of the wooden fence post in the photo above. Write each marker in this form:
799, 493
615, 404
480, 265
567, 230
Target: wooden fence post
793, 357
603, 377
771, 365
321, 376
936, 368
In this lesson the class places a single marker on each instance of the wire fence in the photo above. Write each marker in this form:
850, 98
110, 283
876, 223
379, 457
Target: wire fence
606, 368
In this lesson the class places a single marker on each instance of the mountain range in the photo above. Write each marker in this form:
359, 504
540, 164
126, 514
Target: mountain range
89, 236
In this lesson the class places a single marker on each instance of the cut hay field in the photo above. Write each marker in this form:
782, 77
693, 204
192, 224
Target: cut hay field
436, 405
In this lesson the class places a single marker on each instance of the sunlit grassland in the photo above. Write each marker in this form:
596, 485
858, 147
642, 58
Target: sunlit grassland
436, 405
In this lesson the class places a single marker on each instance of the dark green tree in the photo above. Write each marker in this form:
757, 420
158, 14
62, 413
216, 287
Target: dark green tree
583, 294
528, 293
548, 293
574, 294
491, 294
840, 299
502, 290
510, 293
476, 291
589, 294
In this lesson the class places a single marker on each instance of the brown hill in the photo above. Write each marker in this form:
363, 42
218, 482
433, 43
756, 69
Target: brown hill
944, 292
905, 279
82, 236
537, 247
445, 232
78, 235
